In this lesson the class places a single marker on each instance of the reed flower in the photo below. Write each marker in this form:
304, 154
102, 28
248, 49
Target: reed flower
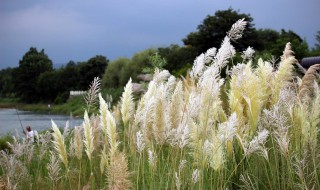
247, 54
215, 151
59, 145
118, 176
160, 76
127, 104
198, 67
257, 144
140, 142
152, 159
77, 141
176, 106
283, 75
14, 170
104, 160
209, 55
53, 169
160, 116
195, 176
91, 96
88, 136
225, 52
306, 91
237, 29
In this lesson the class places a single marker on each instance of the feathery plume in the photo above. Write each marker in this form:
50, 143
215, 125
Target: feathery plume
88, 136
209, 55
127, 104
111, 132
257, 144
287, 53
306, 91
198, 67
176, 106
91, 96
247, 54
53, 169
104, 160
160, 76
195, 176
13, 169
77, 141
118, 173
59, 145
215, 152
139, 141
225, 52
282, 77
237, 29
182, 164
66, 130
160, 116
152, 159
227, 130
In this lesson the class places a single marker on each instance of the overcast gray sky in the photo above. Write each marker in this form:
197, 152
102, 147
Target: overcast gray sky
80, 29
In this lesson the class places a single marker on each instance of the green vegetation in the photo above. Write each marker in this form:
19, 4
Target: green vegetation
257, 128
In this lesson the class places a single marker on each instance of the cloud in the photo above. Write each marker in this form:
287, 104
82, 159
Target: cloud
45, 25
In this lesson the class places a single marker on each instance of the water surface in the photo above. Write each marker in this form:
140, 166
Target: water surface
12, 120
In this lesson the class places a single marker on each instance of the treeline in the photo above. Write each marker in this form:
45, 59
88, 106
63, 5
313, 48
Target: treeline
35, 80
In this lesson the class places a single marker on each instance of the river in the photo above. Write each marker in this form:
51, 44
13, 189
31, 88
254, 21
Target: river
12, 119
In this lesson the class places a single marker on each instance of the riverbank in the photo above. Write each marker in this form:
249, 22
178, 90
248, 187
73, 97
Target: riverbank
74, 106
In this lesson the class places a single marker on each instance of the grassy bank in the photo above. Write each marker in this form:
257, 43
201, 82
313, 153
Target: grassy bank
73, 105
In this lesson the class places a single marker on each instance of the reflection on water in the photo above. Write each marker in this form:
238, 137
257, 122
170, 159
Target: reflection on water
12, 119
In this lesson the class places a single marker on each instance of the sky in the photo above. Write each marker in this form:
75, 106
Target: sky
80, 29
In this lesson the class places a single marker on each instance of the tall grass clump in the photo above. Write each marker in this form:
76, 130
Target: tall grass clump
257, 128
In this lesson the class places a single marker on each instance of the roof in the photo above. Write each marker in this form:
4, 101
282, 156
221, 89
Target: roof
309, 61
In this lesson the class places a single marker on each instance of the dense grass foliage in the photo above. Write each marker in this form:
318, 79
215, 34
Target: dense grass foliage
255, 129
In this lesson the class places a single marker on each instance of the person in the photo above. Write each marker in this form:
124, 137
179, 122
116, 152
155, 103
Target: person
30, 134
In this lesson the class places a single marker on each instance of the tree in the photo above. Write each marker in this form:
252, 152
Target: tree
25, 77
6, 86
213, 30
177, 58
267, 38
112, 74
94, 67
299, 46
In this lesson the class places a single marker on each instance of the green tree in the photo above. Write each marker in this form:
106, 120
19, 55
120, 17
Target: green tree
112, 74
47, 84
178, 58
213, 30
94, 67
6, 85
267, 38
299, 46
25, 77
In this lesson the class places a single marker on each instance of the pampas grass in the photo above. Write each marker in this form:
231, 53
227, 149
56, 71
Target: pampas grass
91, 97
185, 133
118, 173
127, 104
59, 145
88, 136
306, 91
54, 170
